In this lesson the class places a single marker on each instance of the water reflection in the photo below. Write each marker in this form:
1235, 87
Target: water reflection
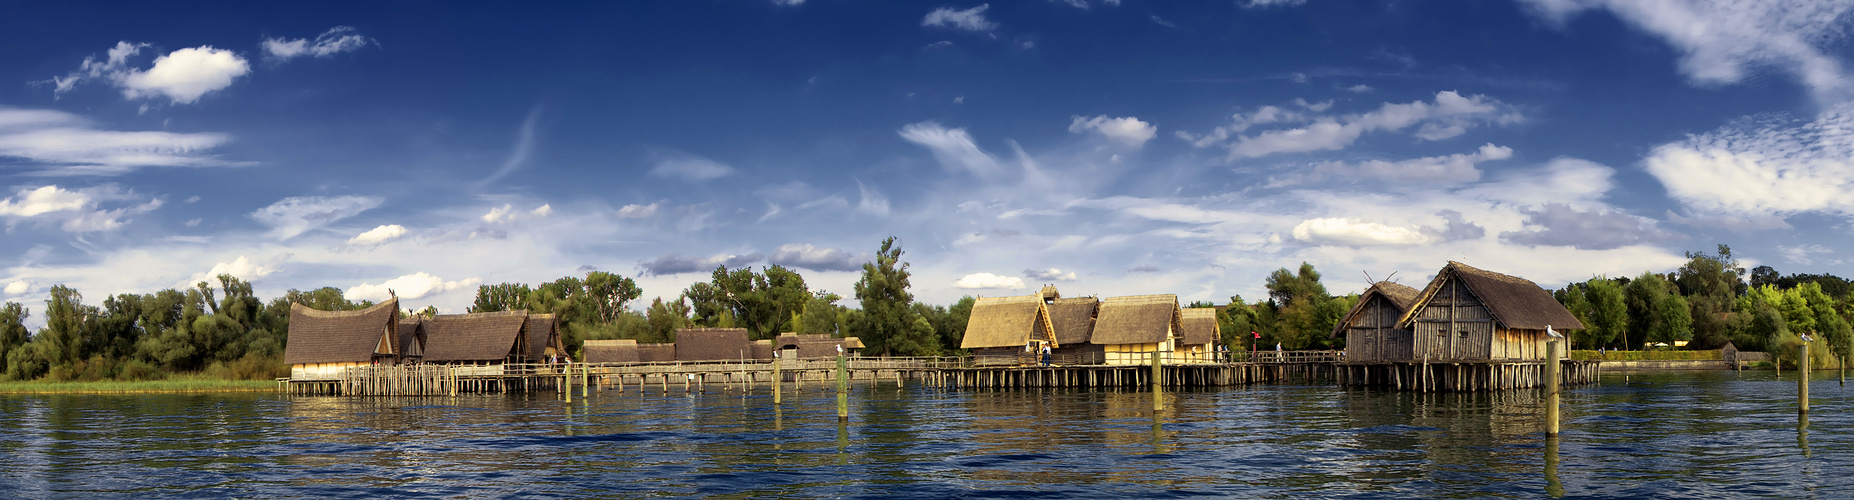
1553, 487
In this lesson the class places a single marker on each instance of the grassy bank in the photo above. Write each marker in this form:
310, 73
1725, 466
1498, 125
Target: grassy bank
177, 384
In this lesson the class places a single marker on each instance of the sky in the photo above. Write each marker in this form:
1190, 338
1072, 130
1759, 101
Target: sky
1108, 147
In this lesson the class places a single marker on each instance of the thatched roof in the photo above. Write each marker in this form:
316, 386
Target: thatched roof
815, 345
1138, 319
656, 352
1073, 319
609, 351
1006, 322
762, 349
1200, 326
540, 335
411, 338
1513, 301
712, 344
487, 336
317, 336
1049, 292
1400, 296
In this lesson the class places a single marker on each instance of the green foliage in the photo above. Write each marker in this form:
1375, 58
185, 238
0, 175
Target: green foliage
957, 316
1651, 355
663, 318
501, 297
820, 316
1608, 322
762, 302
13, 331
887, 324
1675, 321
1306, 313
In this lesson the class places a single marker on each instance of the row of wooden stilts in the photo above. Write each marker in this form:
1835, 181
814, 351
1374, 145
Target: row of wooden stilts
1463, 377
1208, 375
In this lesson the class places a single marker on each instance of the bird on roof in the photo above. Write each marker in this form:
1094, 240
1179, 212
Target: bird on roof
1553, 333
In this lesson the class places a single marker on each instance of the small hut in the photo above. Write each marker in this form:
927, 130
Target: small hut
1469, 314
815, 345
541, 341
1073, 321
1370, 328
1130, 329
1007, 326
712, 344
487, 339
609, 351
1201, 332
411, 340
323, 343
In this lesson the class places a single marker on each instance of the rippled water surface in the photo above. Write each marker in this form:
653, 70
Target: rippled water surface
1704, 434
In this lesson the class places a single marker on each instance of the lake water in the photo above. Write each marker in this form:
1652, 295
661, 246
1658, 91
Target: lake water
1702, 434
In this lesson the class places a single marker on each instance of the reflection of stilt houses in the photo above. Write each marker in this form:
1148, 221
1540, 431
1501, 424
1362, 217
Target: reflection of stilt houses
1130, 328
1073, 320
482, 340
1370, 328
1003, 330
1199, 342
323, 343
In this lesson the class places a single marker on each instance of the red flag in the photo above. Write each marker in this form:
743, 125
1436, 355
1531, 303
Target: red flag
1257, 335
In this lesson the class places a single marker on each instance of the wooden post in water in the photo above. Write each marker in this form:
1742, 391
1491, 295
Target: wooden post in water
778, 381
1553, 387
585, 381
566, 379
843, 389
1158, 389
1802, 380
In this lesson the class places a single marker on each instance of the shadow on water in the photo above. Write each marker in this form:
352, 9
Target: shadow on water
1688, 434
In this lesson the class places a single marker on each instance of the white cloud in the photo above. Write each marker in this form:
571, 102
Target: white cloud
65, 144
1767, 168
1448, 115
635, 211
972, 19
76, 209
872, 201
954, 148
17, 287
1451, 169
499, 214
1255, 4
816, 258
979, 281
379, 235
242, 268
1342, 231
411, 286
295, 215
1359, 89
1800, 254
183, 76
43, 200
691, 168
542, 211
334, 41
1050, 275
1127, 130
1721, 40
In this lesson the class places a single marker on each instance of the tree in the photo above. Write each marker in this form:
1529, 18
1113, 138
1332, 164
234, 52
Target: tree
609, 294
12, 328
762, 302
1307, 313
1676, 320
958, 316
502, 297
1609, 313
820, 316
1711, 283
1644, 295
887, 324
664, 318
65, 316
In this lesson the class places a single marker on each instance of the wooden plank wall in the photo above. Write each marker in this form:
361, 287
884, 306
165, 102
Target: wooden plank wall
1454, 325
1373, 334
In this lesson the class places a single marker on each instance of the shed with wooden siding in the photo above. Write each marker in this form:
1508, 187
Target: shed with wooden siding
320, 344
411, 340
1130, 328
1470, 314
1371, 328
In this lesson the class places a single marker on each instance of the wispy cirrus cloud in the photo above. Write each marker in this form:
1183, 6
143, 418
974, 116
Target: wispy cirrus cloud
55, 143
295, 215
334, 41
972, 19
1448, 115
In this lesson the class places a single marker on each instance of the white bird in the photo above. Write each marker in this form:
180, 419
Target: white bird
1553, 333
1807, 338
839, 348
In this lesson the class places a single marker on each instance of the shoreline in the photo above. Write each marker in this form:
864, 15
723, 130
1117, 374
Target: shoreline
182, 386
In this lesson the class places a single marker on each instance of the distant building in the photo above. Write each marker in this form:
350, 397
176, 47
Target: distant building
1073, 321
1469, 314
609, 351
488, 339
1370, 328
1201, 335
1008, 326
1130, 329
815, 345
323, 343
712, 344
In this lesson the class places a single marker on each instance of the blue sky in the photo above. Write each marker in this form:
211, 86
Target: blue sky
1108, 147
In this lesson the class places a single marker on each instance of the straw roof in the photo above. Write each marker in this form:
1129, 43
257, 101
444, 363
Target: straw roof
1073, 319
1137, 319
540, 335
411, 341
1007, 322
762, 349
318, 336
487, 336
656, 352
1200, 326
712, 344
609, 351
1049, 292
816, 345
1513, 301
1399, 296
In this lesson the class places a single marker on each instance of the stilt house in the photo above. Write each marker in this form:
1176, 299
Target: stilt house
712, 344
541, 341
323, 343
1008, 327
411, 340
1469, 314
483, 340
1130, 329
1370, 328
1201, 335
814, 345
1073, 320
609, 351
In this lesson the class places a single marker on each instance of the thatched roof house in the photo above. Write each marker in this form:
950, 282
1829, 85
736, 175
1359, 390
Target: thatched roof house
1200, 326
1073, 320
1008, 323
317, 337
1472, 314
411, 339
1370, 328
712, 344
609, 351
1129, 328
815, 345
652, 353
540, 340
488, 337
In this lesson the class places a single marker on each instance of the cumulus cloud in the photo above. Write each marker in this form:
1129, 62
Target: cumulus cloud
43, 200
954, 148
1448, 115
411, 286
1451, 169
635, 211
1722, 40
972, 19
1350, 232
295, 215
1049, 275
242, 268
816, 258
979, 281
1125, 130
17, 287
1455, 227
334, 41
1558, 224
690, 168
65, 144
378, 235
77, 210
1763, 168
677, 264
182, 76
